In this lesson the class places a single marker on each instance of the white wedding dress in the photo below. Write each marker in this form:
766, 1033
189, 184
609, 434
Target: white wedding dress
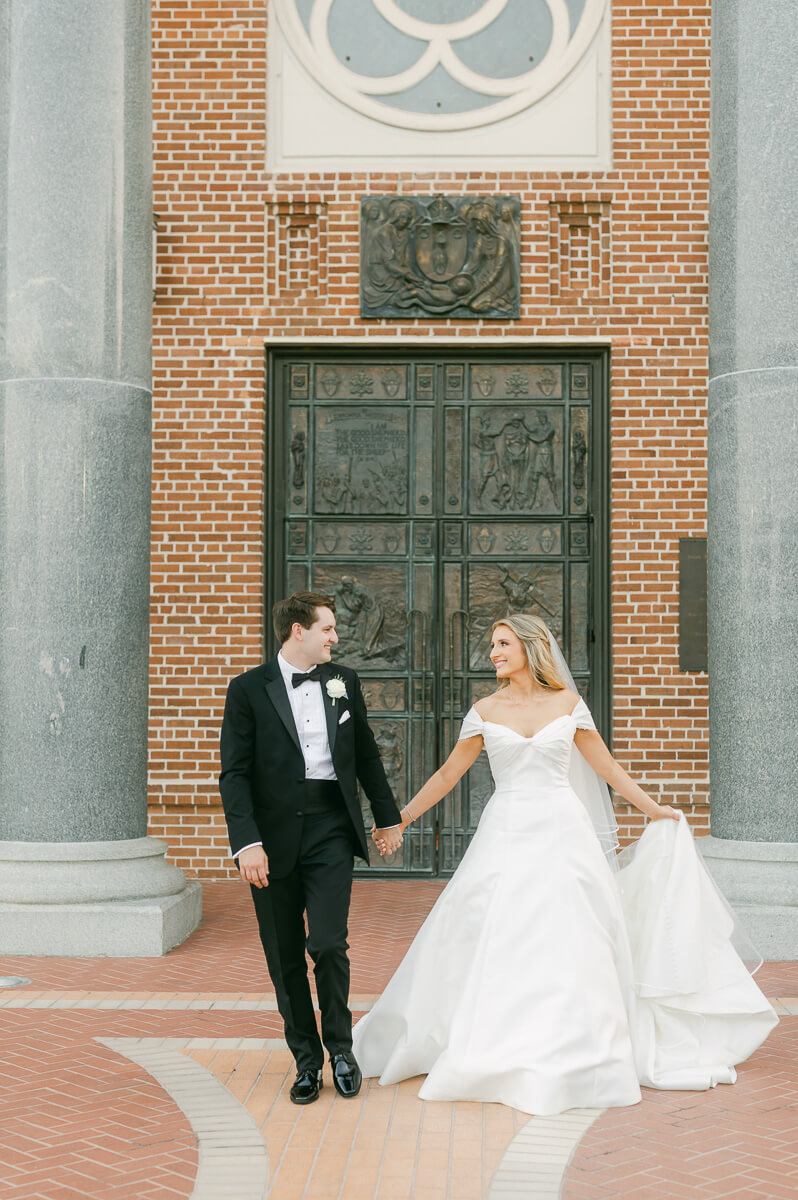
545, 980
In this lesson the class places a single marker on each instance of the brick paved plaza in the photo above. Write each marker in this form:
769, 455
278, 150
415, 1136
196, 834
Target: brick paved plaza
125, 1079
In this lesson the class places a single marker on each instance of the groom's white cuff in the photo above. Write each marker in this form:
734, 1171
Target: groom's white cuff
249, 847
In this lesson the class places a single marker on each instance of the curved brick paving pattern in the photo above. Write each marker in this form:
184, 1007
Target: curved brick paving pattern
81, 1121
385, 1145
78, 1122
738, 1142
232, 1155
538, 1155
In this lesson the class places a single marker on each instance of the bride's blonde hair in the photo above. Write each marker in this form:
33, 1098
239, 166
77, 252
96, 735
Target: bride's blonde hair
533, 634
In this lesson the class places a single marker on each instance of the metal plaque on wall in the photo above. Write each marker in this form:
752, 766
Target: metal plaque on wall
440, 256
693, 635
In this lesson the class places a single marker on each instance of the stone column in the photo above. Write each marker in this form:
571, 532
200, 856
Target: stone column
753, 468
78, 874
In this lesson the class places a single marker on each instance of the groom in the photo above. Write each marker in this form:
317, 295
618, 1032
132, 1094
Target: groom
295, 740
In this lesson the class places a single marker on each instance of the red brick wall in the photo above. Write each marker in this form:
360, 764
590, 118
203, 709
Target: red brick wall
636, 275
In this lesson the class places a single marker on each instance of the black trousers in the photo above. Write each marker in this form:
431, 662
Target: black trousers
320, 885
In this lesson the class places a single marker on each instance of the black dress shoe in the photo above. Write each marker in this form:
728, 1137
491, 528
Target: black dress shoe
346, 1074
306, 1087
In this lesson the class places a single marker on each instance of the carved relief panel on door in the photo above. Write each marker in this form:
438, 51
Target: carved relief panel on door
431, 498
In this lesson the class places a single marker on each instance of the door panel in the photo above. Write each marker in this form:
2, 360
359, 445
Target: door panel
432, 498
361, 459
516, 459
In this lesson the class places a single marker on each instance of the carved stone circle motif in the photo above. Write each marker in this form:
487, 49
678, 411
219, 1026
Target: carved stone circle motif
450, 256
439, 64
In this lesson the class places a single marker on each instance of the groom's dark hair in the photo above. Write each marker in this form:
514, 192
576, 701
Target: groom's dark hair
300, 607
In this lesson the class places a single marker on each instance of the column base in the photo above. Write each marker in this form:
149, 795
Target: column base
113, 929
760, 881
94, 899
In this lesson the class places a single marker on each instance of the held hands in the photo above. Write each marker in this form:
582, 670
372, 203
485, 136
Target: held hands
254, 866
387, 840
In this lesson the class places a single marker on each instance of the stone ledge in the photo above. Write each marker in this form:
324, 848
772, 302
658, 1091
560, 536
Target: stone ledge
38, 873
114, 929
760, 881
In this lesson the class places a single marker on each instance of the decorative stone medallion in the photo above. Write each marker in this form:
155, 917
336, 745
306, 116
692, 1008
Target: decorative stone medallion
448, 256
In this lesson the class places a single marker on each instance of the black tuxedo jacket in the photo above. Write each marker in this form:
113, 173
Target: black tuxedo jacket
263, 769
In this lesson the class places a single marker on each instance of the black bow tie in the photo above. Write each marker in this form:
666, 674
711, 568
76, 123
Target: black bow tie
297, 679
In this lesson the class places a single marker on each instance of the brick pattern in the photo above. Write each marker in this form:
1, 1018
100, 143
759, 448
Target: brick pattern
732, 1141
225, 956
296, 251
80, 1124
82, 1121
232, 1159
579, 250
241, 264
385, 1145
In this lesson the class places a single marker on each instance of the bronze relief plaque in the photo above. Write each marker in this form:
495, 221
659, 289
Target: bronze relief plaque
499, 539
371, 613
516, 459
338, 537
516, 381
445, 256
496, 590
361, 460
344, 381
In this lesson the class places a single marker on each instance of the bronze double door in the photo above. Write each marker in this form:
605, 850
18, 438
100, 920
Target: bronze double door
431, 496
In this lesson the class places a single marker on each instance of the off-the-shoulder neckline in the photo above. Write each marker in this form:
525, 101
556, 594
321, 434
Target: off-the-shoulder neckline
530, 737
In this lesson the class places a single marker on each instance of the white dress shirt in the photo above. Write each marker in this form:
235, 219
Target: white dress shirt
307, 705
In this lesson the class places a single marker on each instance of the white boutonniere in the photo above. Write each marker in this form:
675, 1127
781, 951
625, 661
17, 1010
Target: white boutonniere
336, 689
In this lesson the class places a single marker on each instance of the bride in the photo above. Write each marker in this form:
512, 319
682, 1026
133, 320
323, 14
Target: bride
550, 975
